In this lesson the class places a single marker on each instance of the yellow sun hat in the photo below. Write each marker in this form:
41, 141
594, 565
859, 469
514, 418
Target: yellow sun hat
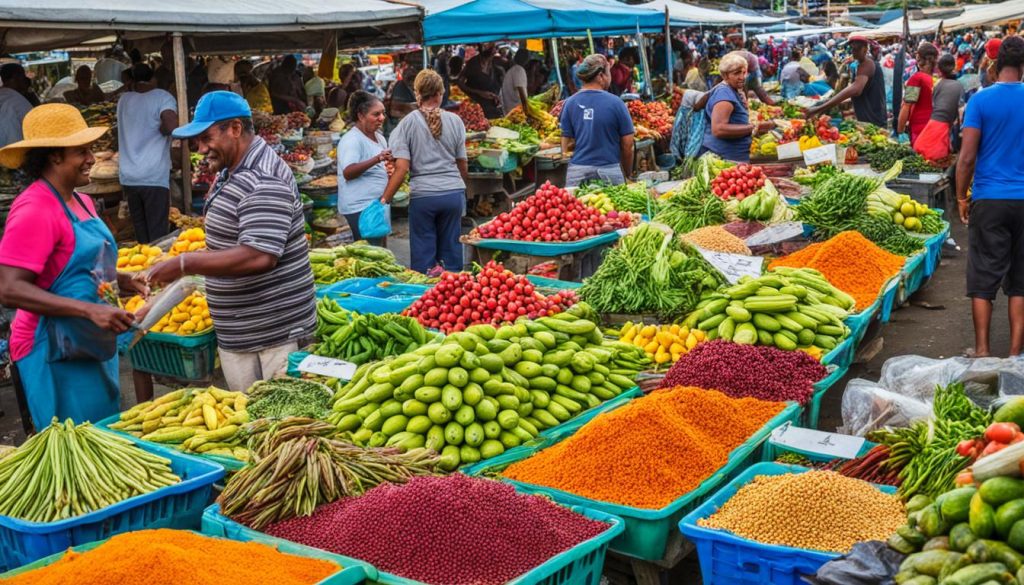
50, 126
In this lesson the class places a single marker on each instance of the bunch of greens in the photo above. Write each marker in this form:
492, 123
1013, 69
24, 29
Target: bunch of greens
690, 206
650, 272
284, 397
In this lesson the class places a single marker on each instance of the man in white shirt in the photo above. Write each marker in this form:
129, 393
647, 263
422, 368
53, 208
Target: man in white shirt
146, 116
514, 85
108, 69
13, 105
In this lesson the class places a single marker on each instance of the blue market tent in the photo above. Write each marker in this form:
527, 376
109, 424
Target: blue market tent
451, 22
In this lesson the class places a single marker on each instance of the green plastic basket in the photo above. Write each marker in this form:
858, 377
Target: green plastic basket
183, 357
228, 463
646, 531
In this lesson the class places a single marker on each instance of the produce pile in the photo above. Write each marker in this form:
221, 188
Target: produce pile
870, 467
173, 557
851, 263
740, 182
890, 153
691, 206
198, 420
650, 272
904, 211
473, 116
788, 308
552, 215
66, 471
651, 451
632, 197
662, 343
486, 389
189, 240
651, 118
972, 534
744, 371
545, 125
441, 530
189, 317
302, 463
718, 239
138, 257
359, 259
925, 453
818, 510
492, 296
287, 397
363, 337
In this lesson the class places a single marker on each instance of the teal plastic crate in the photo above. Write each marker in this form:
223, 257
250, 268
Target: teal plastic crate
183, 357
175, 506
228, 463
933, 250
912, 277
843, 353
548, 249
353, 575
646, 531
216, 524
889, 300
812, 410
727, 559
580, 565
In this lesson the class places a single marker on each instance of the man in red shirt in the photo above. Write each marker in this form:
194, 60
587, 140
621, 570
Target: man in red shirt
917, 96
622, 71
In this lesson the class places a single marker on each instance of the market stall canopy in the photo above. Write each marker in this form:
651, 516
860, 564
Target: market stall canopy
809, 32
452, 22
683, 14
212, 26
972, 16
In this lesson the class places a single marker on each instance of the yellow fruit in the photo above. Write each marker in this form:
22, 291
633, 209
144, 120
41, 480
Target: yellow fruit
898, 218
196, 246
908, 209
179, 317
207, 323
661, 356
641, 341
912, 224
152, 251
122, 262
187, 327
674, 329
197, 319
138, 259
649, 331
691, 340
196, 311
652, 347
677, 348
665, 338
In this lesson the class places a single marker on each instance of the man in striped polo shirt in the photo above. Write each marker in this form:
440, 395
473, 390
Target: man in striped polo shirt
259, 284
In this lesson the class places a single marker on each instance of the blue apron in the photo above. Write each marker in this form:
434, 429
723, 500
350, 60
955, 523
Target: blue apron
80, 389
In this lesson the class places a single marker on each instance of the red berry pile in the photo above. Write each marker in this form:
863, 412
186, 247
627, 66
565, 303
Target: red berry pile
473, 116
825, 130
552, 214
654, 115
494, 296
444, 530
740, 181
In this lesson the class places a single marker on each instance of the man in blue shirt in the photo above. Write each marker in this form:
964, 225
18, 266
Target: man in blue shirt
994, 212
597, 128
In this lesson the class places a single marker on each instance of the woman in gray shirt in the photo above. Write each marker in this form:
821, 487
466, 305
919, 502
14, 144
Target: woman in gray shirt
430, 144
934, 142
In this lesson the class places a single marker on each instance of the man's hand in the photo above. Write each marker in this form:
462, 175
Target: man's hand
164, 272
814, 111
111, 318
964, 206
765, 127
489, 95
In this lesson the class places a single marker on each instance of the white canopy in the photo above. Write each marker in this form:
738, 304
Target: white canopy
28, 25
808, 32
684, 13
973, 15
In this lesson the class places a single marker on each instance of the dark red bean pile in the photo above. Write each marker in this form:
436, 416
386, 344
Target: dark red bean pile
454, 530
757, 371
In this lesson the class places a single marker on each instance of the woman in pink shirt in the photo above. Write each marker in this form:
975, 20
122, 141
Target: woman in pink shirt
54, 255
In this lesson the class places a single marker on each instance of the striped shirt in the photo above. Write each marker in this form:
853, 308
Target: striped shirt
257, 205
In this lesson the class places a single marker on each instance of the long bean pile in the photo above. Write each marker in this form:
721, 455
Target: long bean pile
886, 234
691, 206
650, 271
69, 470
836, 201
925, 452
302, 463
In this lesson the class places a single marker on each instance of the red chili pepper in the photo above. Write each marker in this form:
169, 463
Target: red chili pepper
965, 447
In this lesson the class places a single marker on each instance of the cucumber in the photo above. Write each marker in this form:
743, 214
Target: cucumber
428, 394
486, 410
438, 414
472, 394
492, 363
464, 415
492, 430
474, 435
448, 355
469, 454
509, 419
738, 314
454, 433
766, 323
961, 537
419, 424
436, 377
491, 448
394, 425
449, 458
783, 342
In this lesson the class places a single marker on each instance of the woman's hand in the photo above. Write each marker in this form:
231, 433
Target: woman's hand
133, 283
385, 156
764, 127
111, 318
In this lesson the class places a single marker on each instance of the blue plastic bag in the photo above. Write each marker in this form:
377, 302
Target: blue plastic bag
375, 221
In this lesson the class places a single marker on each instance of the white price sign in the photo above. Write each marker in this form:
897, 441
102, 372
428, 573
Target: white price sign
788, 150
809, 440
822, 154
779, 232
733, 266
325, 366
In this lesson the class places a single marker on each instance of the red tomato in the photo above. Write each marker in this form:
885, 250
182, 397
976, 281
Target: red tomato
1002, 432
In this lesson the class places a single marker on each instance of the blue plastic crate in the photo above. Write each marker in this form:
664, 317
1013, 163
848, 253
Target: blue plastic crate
726, 559
888, 299
216, 524
228, 463
580, 565
548, 249
353, 575
812, 410
933, 250
912, 277
177, 506
373, 295
646, 531
843, 353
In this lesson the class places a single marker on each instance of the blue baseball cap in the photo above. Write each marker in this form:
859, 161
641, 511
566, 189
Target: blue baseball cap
214, 107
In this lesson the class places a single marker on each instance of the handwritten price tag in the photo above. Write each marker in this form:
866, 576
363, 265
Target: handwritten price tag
777, 233
325, 366
733, 266
819, 442
822, 154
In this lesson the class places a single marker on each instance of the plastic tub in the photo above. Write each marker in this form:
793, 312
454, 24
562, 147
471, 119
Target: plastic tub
177, 506
913, 277
812, 410
933, 250
352, 575
580, 565
547, 249
889, 299
183, 357
646, 531
726, 559
373, 295
843, 354
228, 463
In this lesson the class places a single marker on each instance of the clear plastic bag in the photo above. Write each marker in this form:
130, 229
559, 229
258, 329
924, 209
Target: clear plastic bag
916, 376
867, 406
163, 302
75, 338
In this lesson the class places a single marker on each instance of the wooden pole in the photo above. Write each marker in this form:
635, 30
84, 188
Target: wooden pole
182, 95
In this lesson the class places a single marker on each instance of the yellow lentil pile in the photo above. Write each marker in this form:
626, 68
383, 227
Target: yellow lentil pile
818, 510
717, 239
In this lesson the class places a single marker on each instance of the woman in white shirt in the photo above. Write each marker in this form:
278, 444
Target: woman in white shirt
364, 160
